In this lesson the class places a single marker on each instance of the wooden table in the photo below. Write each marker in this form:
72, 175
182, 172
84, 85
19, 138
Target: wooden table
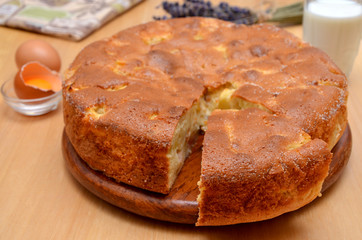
39, 199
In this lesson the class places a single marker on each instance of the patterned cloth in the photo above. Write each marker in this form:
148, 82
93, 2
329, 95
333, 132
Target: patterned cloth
72, 19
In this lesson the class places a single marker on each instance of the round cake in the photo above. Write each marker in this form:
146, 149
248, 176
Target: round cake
271, 108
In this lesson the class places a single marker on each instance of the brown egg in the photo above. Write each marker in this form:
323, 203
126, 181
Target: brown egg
40, 51
34, 80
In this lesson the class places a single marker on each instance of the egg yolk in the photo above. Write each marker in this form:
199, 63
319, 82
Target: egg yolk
39, 82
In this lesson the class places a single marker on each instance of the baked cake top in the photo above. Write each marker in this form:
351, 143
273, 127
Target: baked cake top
153, 73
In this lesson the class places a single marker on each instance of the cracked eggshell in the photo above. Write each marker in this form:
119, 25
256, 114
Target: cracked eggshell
34, 80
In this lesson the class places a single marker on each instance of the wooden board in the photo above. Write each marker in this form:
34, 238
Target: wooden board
180, 204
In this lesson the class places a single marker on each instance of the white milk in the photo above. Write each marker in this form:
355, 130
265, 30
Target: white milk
334, 26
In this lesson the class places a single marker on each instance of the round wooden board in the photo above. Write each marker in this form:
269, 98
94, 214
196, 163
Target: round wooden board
180, 204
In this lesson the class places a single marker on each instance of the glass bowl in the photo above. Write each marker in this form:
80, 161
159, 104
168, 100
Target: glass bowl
29, 107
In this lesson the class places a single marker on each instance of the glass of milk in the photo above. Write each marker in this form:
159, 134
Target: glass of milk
335, 26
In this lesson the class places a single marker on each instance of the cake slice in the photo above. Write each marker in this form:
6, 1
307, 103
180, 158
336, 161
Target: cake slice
256, 166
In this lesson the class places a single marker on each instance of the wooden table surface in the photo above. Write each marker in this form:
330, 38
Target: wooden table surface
39, 199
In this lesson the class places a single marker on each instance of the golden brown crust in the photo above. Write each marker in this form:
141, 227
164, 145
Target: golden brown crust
105, 150
318, 110
124, 97
255, 166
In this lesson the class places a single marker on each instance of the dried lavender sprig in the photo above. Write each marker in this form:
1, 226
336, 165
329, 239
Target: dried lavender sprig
206, 9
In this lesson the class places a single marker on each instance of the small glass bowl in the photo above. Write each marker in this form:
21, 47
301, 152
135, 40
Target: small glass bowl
29, 107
